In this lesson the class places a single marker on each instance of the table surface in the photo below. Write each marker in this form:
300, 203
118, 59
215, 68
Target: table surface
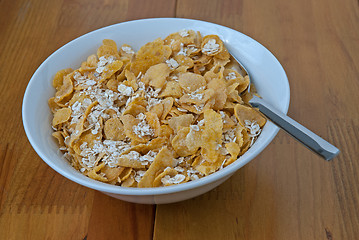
287, 192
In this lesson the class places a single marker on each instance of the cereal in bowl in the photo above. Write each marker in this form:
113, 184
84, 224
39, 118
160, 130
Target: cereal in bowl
167, 114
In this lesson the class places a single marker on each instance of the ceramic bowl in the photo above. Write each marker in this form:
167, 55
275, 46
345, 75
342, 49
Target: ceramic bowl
265, 70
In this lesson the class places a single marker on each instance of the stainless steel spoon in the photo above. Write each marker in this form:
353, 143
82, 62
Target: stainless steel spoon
302, 134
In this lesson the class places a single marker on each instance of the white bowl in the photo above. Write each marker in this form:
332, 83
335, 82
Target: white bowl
266, 72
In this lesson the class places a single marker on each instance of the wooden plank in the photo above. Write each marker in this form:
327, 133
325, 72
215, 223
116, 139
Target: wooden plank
38, 203
35, 201
287, 192
114, 219
140, 9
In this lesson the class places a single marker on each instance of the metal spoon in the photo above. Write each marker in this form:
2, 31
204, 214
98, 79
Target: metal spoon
302, 134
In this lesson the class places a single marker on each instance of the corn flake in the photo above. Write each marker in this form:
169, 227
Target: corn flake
156, 75
149, 55
62, 115
163, 159
113, 129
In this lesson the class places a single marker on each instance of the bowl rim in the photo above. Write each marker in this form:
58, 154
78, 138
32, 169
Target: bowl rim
105, 187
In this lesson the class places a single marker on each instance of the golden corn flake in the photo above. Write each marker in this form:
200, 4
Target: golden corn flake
125, 174
244, 113
53, 105
130, 181
183, 120
126, 53
57, 82
113, 129
179, 143
154, 123
206, 167
167, 172
112, 174
65, 89
129, 160
111, 69
131, 80
191, 82
90, 64
233, 149
132, 131
156, 75
157, 109
61, 116
194, 139
212, 45
184, 61
149, 55
170, 113
109, 48
162, 160
220, 94
59, 137
172, 89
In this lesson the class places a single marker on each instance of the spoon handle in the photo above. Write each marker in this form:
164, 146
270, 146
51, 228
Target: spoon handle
302, 134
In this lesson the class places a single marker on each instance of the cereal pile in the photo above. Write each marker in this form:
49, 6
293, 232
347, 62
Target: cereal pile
171, 113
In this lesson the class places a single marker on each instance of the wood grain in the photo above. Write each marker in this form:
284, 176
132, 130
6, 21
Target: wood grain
285, 193
111, 219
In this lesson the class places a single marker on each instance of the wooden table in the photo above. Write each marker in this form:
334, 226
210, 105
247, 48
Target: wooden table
287, 192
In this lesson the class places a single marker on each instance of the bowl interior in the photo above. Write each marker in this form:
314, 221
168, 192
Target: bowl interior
266, 72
